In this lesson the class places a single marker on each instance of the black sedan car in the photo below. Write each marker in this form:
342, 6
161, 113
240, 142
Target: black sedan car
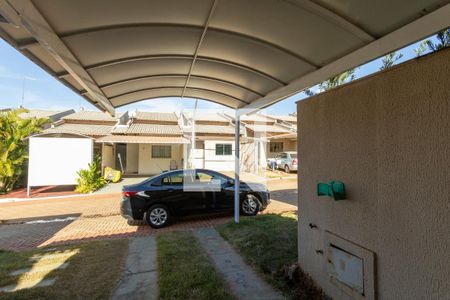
188, 192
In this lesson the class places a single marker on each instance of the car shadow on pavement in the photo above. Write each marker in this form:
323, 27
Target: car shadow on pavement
29, 233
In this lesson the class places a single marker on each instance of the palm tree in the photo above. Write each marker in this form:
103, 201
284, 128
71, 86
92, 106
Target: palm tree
390, 59
443, 41
333, 82
14, 146
443, 38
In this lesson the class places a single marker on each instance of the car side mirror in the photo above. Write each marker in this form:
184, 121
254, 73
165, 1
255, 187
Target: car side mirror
230, 182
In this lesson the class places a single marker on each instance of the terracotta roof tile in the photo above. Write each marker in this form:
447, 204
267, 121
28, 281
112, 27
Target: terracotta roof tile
217, 129
149, 129
40, 113
267, 128
203, 116
136, 139
84, 129
87, 115
155, 116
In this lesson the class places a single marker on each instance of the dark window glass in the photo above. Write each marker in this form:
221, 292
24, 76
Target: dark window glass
176, 179
224, 149
161, 151
276, 147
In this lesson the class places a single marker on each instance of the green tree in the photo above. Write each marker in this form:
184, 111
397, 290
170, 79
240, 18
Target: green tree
14, 146
390, 59
421, 49
91, 179
443, 41
334, 82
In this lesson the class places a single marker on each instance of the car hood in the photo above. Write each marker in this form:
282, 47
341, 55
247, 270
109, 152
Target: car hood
253, 186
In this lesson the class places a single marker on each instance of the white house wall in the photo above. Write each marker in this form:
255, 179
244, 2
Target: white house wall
199, 158
218, 162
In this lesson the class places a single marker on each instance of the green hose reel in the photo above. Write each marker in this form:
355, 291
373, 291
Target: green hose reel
333, 189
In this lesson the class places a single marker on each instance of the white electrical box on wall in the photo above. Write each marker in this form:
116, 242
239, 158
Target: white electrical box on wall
350, 267
347, 268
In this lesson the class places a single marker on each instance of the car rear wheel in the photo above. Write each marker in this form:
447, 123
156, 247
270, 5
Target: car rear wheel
250, 206
157, 216
286, 169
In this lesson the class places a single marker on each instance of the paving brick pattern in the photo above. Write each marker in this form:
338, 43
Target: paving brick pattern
46, 191
95, 217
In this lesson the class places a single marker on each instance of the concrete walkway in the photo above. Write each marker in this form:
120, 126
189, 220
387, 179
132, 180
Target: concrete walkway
140, 278
242, 280
112, 188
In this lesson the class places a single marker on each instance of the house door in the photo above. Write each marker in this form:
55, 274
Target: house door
121, 157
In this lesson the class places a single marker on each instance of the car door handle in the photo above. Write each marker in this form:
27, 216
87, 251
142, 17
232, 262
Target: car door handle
170, 190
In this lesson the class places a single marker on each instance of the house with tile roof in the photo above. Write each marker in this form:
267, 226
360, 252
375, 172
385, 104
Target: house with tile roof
213, 134
266, 136
134, 142
51, 115
147, 143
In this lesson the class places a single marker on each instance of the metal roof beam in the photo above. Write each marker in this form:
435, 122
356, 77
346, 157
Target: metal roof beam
335, 18
202, 37
26, 15
408, 34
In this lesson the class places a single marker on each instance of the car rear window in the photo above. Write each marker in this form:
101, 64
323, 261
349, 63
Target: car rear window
293, 155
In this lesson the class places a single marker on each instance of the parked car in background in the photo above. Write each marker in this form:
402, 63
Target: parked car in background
286, 161
187, 192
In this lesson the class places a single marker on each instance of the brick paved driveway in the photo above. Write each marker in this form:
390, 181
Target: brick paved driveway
37, 223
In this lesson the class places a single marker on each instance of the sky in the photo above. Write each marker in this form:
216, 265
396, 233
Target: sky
24, 83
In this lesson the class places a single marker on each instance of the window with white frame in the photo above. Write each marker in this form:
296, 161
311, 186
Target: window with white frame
276, 147
224, 149
161, 151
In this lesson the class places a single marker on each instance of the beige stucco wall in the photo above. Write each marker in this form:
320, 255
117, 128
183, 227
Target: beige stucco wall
149, 165
387, 137
107, 156
132, 158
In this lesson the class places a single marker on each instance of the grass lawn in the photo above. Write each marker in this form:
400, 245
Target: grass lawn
269, 244
91, 271
185, 271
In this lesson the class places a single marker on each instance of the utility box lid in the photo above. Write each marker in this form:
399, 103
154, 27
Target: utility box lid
346, 268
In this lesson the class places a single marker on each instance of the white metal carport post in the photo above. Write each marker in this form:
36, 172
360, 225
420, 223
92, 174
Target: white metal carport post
236, 167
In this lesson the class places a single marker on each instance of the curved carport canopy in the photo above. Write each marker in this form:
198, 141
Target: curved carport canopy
242, 54
245, 54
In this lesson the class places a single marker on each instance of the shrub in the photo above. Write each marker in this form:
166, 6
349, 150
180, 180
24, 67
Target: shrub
14, 146
90, 179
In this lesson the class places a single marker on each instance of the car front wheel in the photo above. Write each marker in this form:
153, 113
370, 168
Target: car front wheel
250, 206
157, 216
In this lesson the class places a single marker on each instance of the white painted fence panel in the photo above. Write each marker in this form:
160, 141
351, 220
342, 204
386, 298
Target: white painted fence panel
55, 161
